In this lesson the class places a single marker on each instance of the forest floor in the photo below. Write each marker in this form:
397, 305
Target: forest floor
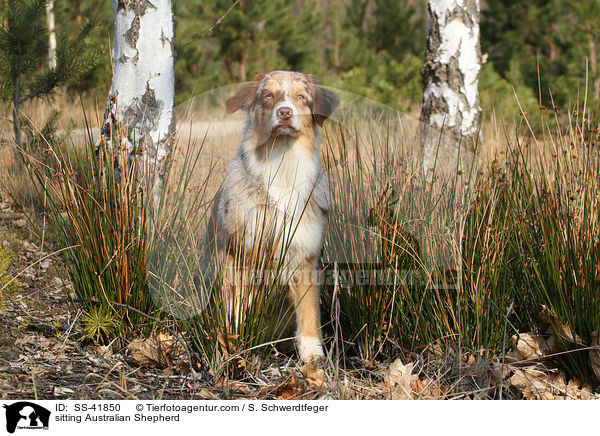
43, 356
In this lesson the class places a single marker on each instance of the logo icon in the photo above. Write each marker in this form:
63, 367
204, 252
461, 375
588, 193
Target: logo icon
26, 415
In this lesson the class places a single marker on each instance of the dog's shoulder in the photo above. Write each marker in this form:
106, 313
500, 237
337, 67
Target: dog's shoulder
240, 191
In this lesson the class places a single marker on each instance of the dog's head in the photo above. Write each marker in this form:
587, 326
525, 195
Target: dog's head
284, 103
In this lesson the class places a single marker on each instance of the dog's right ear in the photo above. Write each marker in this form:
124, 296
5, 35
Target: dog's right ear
324, 104
245, 94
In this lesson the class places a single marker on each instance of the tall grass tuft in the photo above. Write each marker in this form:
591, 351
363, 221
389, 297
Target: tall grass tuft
395, 237
123, 244
99, 217
532, 241
245, 314
555, 228
465, 259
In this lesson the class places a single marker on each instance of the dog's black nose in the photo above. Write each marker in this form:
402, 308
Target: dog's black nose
285, 113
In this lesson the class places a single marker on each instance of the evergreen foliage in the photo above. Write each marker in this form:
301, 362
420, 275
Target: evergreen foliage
251, 38
554, 37
24, 56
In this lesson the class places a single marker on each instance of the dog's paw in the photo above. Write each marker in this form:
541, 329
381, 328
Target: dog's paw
310, 351
309, 348
313, 371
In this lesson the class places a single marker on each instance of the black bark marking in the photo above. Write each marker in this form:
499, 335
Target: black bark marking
143, 115
139, 8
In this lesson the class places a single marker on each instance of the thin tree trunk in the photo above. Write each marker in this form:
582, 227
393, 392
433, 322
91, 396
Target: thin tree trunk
450, 78
336, 31
15, 120
140, 112
243, 60
17, 99
594, 65
51, 34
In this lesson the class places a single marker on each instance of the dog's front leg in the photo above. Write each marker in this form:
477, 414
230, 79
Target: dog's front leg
230, 293
304, 289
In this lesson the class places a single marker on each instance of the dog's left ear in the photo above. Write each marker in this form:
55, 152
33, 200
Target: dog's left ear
244, 96
325, 102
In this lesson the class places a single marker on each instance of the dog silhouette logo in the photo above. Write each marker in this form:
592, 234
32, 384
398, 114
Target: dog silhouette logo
26, 415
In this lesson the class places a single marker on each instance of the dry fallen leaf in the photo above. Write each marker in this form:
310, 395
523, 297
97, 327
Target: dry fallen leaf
558, 328
538, 385
207, 395
527, 346
595, 355
495, 371
226, 340
399, 379
290, 390
468, 358
157, 350
62, 392
427, 389
532, 384
233, 385
105, 350
435, 352
583, 393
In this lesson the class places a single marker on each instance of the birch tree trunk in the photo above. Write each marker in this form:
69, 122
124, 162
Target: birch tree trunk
140, 113
450, 77
51, 34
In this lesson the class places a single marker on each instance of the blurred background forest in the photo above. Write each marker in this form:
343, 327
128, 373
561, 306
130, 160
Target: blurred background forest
370, 47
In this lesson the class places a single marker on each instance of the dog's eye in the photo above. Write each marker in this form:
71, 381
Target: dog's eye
268, 96
301, 96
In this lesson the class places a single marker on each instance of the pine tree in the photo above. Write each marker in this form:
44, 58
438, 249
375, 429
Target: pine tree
544, 38
587, 19
398, 28
226, 44
263, 35
24, 57
374, 49
296, 36
71, 16
355, 49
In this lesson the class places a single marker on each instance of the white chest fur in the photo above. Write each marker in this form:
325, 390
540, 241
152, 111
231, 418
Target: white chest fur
294, 181
289, 177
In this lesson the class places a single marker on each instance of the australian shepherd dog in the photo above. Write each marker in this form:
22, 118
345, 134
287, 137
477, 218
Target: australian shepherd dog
276, 180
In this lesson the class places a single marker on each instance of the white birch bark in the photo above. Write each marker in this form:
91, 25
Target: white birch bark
51, 34
140, 111
450, 78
